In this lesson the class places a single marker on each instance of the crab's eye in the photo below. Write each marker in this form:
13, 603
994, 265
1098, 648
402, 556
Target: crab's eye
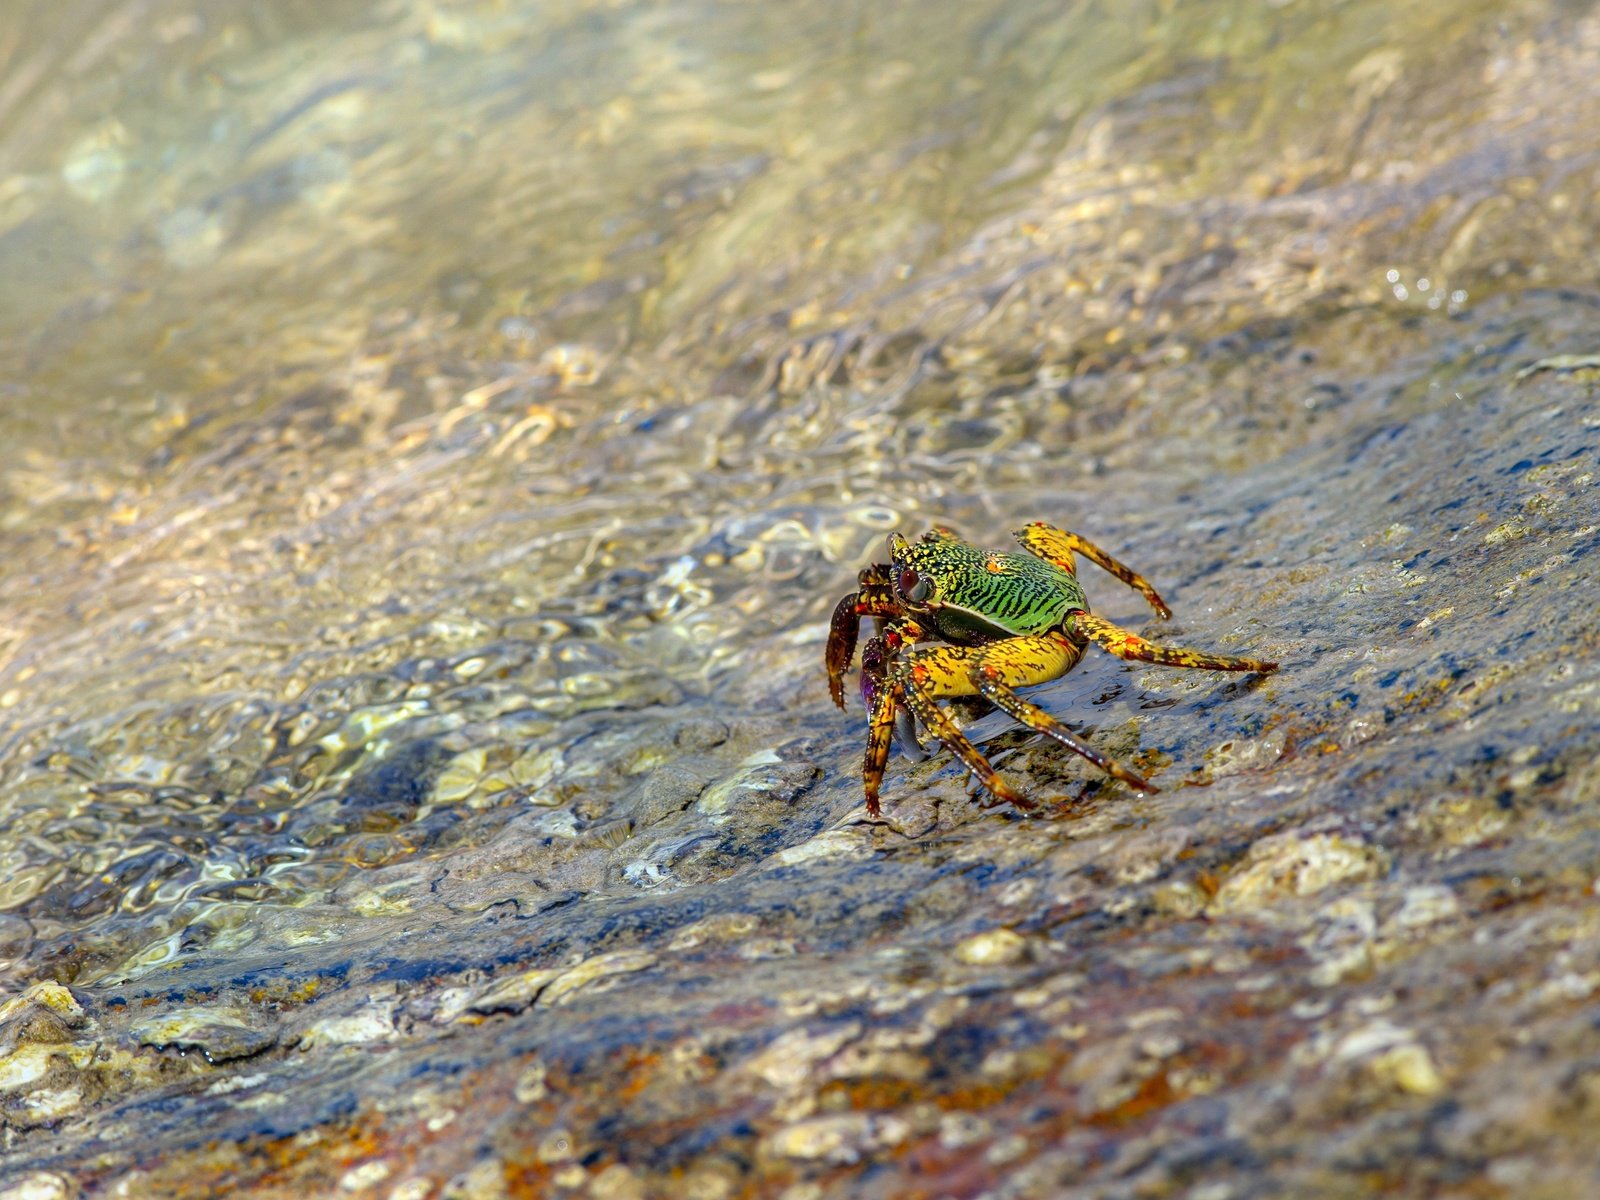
913, 587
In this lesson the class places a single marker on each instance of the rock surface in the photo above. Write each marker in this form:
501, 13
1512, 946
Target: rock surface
441, 431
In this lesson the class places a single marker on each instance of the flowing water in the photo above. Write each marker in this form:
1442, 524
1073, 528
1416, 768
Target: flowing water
435, 433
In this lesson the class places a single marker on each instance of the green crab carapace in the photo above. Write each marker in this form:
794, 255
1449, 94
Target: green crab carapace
958, 620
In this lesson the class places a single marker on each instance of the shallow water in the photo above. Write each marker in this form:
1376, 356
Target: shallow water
437, 433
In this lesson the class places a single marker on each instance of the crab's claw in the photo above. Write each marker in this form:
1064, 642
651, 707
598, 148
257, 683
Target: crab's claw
842, 634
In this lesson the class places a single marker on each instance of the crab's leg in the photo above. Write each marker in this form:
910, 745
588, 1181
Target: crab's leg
944, 671
886, 706
1057, 545
1131, 646
902, 635
874, 597
1024, 662
880, 728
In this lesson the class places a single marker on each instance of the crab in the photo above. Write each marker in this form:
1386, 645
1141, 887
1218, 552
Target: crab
957, 620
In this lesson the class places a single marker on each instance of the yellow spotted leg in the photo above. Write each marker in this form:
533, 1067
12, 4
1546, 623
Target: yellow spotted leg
944, 672
1057, 546
880, 730
933, 673
887, 700
995, 671
1024, 662
1119, 641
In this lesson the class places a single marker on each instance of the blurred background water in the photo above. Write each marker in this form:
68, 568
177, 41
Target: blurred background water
415, 415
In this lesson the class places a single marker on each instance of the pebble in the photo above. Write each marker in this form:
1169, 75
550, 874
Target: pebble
993, 948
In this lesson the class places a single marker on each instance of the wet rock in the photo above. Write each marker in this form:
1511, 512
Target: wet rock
1425, 905
994, 948
39, 1185
763, 779
793, 1057
45, 1013
836, 1140
617, 1182
221, 1032
732, 927
1409, 1068
837, 844
514, 993
373, 1023
1394, 1056
45, 1106
1294, 865
365, 1175
40, 1083
597, 973
1180, 898
486, 1181
1107, 1076
42, 1056
671, 788
24, 1069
